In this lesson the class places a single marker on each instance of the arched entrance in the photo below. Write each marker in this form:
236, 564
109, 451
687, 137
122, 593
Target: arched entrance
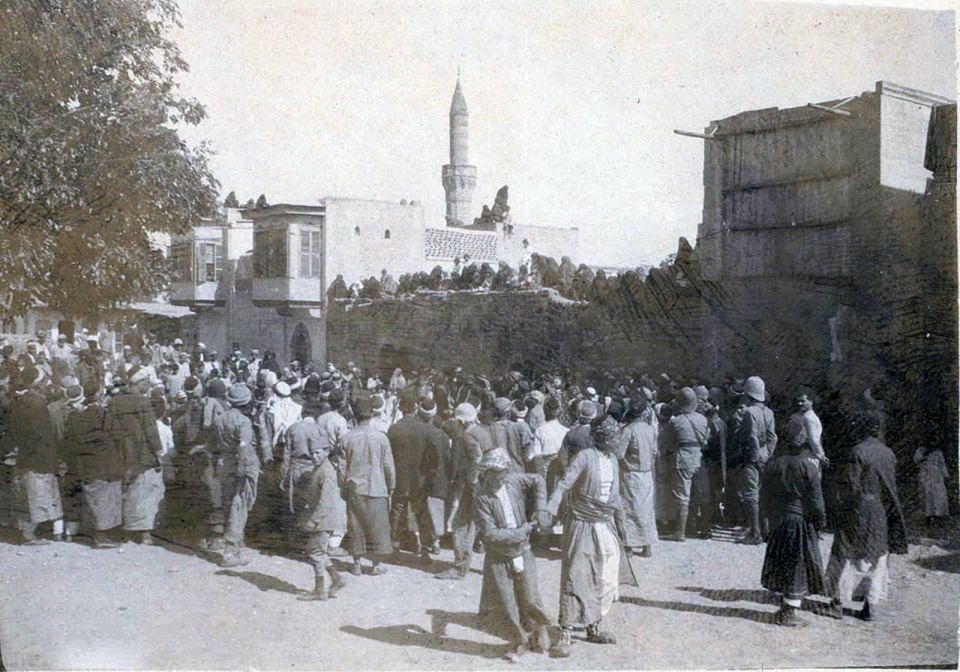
300, 347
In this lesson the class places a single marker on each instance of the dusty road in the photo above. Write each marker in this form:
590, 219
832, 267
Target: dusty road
699, 606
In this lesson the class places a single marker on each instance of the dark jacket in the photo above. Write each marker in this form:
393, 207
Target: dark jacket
31, 432
791, 486
132, 426
577, 439
93, 457
419, 449
869, 516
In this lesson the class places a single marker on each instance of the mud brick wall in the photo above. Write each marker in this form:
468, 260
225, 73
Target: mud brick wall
494, 332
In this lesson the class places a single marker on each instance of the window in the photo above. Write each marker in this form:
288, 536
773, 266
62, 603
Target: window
386, 234
270, 253
181, 262
209, 262
309, 253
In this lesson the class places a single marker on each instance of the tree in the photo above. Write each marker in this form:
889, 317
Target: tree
91, 164
231, 200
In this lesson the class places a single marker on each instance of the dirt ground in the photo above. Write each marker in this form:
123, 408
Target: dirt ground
699, 605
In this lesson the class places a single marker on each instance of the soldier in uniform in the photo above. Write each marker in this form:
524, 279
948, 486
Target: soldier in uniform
236, 470
758, 439
310, 482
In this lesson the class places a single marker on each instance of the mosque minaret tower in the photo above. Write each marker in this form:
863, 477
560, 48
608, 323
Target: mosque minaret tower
459, 177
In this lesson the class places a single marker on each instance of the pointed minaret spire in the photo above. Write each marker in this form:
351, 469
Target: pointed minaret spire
459, 177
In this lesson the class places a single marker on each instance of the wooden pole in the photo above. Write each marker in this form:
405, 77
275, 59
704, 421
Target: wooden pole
691, 134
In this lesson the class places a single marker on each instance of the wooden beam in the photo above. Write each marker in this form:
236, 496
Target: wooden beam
832, 110
691, 134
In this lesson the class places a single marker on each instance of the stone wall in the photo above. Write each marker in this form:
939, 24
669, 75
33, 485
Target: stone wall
493, 332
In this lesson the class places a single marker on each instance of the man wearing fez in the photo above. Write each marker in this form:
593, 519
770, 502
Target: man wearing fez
236, 469
370, 479
131, 425
511, 594
417, 447
592, 564
515, 437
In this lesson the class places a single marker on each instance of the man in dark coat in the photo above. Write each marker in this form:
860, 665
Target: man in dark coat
30, 433
99, 466
132, 426
870, 523
580, 438
511, 595
418, 447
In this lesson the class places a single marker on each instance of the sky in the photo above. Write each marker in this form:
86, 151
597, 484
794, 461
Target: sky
572, 103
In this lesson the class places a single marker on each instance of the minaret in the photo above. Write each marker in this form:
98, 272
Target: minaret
459, 178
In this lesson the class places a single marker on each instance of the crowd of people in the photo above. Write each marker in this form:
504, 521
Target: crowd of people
576, 282
360, 468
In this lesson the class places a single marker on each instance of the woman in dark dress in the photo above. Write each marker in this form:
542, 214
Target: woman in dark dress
793, 503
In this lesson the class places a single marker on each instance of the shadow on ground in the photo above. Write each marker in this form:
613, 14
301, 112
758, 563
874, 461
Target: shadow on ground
941, 563
435, 638
264, 582
707, 610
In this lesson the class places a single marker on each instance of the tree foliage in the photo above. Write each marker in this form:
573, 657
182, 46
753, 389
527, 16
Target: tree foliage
91, 165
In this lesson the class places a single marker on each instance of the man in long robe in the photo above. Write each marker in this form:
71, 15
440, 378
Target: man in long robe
510, 595
591, 569
637, 453
870, 523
